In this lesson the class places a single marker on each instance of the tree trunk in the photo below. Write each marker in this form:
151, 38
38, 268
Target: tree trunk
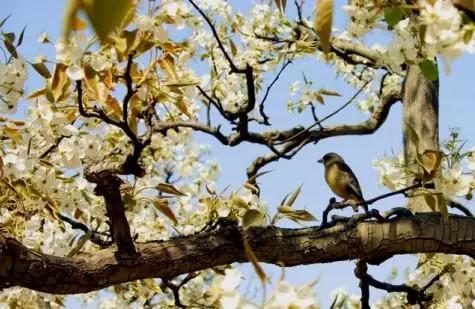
421, 112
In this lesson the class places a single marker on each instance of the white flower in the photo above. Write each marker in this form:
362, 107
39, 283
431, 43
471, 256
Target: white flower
145, 23
471, 160
290, 297
454, 183
231, 280
75, 72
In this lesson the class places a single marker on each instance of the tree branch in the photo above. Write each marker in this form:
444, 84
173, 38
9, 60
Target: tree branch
421, 233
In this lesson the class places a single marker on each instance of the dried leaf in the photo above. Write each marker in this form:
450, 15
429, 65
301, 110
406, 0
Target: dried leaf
162, 206
167, 63
37, 93
114, 106
468, 5
170, 189
1, 167
255, 263
252, 217
180, 104
323, 23
78, 24
60, 83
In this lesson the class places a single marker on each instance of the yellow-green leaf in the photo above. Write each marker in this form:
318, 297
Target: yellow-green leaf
294, 196
170, 189
252, 217
323, 23
442, 205
162, 206
180, 104
431, 201
107, 16
329, 93
239, 202
431, 160
42, 69
411, 134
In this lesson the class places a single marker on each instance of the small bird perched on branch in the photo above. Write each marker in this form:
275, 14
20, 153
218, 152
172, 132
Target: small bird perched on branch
342, 181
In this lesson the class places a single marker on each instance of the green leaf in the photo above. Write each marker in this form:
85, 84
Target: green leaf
42, 69
4, 20
429, 69
431, 201
411, 134
107, 16
442, 205
20, 39
393, 15
329, 93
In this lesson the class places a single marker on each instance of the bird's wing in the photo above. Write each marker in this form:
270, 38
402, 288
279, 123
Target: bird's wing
352, 181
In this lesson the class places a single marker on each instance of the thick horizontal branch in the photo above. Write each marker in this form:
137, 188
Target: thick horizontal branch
426, 232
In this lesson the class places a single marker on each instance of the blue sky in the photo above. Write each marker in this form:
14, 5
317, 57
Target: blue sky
456, 100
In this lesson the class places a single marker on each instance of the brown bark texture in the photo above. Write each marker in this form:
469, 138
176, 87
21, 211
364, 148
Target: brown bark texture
372, 241
421, 113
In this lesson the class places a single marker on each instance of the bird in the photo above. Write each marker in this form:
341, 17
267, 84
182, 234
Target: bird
342, 181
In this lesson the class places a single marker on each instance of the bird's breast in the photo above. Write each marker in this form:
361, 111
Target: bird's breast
337, 181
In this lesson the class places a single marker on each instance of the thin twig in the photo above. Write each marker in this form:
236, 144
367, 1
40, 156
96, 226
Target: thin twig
261, 106
329, 115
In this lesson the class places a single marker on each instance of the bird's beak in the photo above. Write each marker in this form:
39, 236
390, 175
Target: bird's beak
320, 160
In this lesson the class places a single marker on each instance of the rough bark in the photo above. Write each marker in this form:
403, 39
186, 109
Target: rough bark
421, 112
20, 266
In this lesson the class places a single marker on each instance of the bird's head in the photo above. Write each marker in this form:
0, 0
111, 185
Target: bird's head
330, 158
